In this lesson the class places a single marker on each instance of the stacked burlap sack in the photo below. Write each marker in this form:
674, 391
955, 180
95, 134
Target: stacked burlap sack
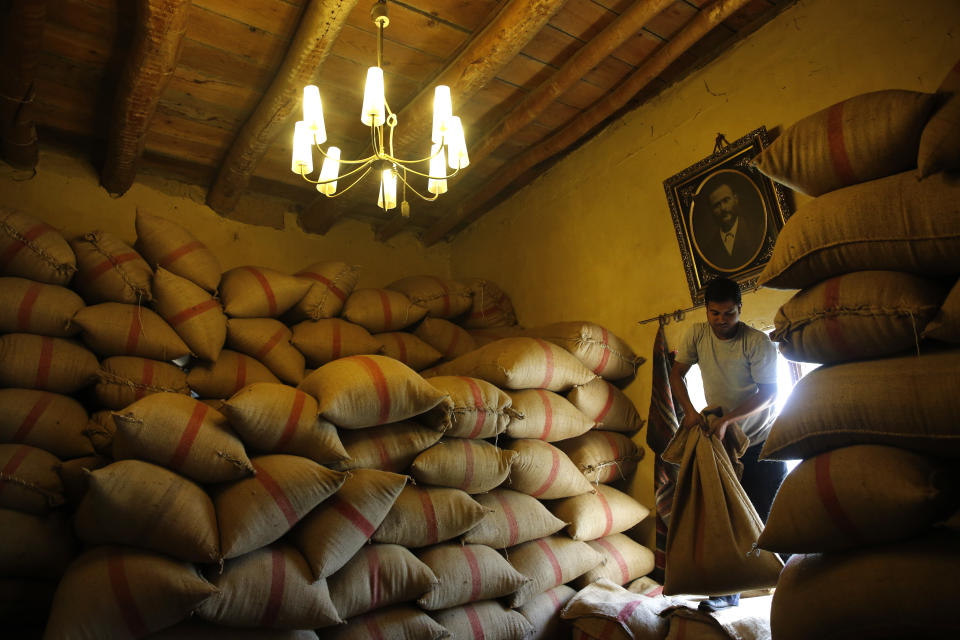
874, 255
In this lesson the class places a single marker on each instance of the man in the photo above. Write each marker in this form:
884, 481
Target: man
739, 368
738, 235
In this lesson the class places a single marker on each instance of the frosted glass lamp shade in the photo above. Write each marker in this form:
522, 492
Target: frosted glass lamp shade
438, 167
456, 144
442, 110
387, 197
313, 113
302, 163
373, 99
329, 170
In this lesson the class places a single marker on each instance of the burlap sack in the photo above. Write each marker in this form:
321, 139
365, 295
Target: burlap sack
442, 298
487, 619
598, 349
269, 587
168, 245
467, 573
46, 420
330, 284
381, 310
196, 316
228, 374
27, 306
364, 391
543, 471
183, 435
606, 405
603, 456
49, 364
491, 307
480, 410
339, 527
482, 337
321, 341
623, 560
378, 576
30, 248
543, 613
890, 591
109, 270
591, 628
940, 140
124, 380
391, 447
863, 138
267, 341
260, 292
76, 477
255, 512
424, 516
101, 430
946, 324
895, 223
142, 505
474, 466
909, 401
29, 479
858, 496
400, 622
407, 348
116, 592
199, 630
599, 514
447, 338
35, 546
275, 418
546, 416
549, 562
605, 610
513, 518
116, 329
711, 542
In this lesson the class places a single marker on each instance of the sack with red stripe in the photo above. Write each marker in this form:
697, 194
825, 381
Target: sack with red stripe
41, 362
267, 341
117, 592
597, 348
125, 379
449, 339
857, 316
270, 587
141, 505
117, 329
545, 472
109, 270
486, 336
424, 516
474, 466
441, 297
546, 416
945, 325
183, 435
275, 418
480, 410
29, 479
513, 518
27, 306
30, 248
321, 341
256, 511
194, 629
606, 610
330, 285
542, 611
101, 430
858, 496
192, 312
596, 515
491, 307
467, 573
46, 420
485, 619
364, 391
340, 526
645, 586
603, 456
550, 562
407, 348
166, 244
624, 560
259, 292
227, 375
391, 447
377, 576
399, 622
940, 140
35, 546
863, 138
382, 310
605, 404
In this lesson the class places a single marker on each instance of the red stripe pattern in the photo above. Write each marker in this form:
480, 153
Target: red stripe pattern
188, 436
379, 384
605, 358
373, 565
16, 244
112, 261
838, 147
476, 626
828, 496
511, 519
446, 295
30, 421
192, 312
606, 405
548, 364
353, 515
179, 252
146, 379
547, 414
607, 514
326, 282
387, 311
120, 586
468, 463
25, 310
271, 343
618, 558
276, 492
552, 559
552, 476
293, 419
134, 332
44, 363
278, 576
370, 622
478, 404
430, 516
267, 290
241, 380
476, 579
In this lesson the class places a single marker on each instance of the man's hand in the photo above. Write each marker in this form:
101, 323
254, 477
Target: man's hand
692, 420
717, 427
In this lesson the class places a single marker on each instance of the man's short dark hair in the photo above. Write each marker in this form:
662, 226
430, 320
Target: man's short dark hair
722, 290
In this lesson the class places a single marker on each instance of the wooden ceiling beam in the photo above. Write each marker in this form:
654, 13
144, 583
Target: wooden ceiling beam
316, 33
158, 34
473, 205
19, 54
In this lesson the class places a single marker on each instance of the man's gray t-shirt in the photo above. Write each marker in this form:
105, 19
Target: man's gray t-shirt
732, 369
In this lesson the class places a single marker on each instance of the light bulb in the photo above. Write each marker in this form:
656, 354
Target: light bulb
438, 167
313, 113
329, 170
302, 162
387, 197
456, 144
373, 99
442, 109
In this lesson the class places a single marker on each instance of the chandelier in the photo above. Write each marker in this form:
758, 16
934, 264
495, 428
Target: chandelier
448, 147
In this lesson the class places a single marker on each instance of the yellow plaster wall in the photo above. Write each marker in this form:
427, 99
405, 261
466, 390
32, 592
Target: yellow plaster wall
592, 238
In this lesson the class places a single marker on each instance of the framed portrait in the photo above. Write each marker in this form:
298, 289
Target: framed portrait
726, 215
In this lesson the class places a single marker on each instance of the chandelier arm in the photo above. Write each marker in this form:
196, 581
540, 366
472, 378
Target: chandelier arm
427, 175
339, 177
340, 192
419, 195
342, 161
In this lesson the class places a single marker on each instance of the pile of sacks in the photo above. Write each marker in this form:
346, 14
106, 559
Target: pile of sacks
239, 446
876, 256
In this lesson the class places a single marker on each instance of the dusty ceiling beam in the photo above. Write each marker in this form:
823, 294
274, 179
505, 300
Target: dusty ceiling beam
159, 31
22, 33
472, 206
499, 42
316, 33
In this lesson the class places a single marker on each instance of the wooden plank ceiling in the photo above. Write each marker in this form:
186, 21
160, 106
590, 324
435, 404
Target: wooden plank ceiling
208, 91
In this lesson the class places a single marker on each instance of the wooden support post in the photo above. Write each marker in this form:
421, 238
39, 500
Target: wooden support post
19, 52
